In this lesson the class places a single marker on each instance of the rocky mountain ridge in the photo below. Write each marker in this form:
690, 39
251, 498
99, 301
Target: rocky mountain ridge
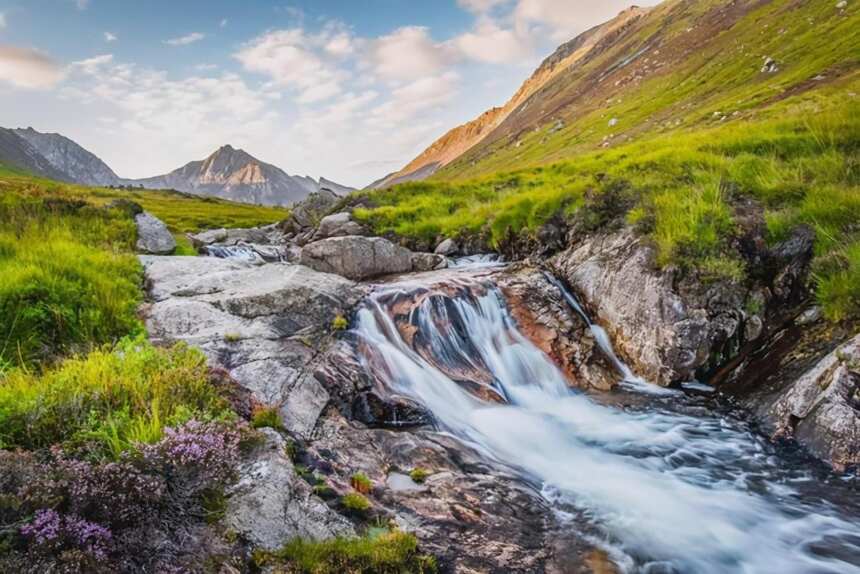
234, 174
228, 173
459, 140
69, 158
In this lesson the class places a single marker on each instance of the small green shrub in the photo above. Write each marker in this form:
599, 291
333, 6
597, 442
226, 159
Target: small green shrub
356, 503
391, 552
361, 483
419, 475
267, 417
339, 323
232, 337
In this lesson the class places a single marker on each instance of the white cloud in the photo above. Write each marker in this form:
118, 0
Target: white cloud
296, 60
205, 67
408, 101
487, 42
480, 6
186, 39
408, 53
2, 20
564, 19
28, 68
188, 117
223, 23
110, 37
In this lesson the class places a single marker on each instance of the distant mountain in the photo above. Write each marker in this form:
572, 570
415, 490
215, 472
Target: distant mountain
16, 151
462, 138
67, 157
234, 174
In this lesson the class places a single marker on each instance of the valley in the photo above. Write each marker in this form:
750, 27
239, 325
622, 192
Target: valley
610, 326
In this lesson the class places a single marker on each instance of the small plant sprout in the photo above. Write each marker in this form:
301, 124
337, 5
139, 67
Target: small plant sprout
267, 417
419, 475
355, 503
361, 483
339, 323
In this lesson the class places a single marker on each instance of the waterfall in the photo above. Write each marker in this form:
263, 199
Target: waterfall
670, 488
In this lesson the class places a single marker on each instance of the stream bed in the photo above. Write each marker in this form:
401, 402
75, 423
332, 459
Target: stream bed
662, 480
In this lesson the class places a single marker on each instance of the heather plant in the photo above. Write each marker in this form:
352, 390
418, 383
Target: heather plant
361, 483
197, 455
355, 503
118, 494
109, 400
53, 533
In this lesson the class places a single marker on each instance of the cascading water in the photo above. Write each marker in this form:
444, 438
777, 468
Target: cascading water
671, 485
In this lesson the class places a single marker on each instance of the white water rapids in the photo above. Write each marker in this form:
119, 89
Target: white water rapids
671, 487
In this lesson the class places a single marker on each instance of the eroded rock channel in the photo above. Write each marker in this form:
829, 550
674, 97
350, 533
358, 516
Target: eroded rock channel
543, 451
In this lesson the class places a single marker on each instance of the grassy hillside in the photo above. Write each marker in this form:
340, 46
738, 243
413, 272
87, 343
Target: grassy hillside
68, 277
685, 66
693, 141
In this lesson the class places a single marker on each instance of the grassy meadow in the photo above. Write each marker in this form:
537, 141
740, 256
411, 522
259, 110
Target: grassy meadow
801, 165
69, 279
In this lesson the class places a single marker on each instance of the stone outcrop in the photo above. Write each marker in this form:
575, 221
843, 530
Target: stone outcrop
672, 327
542, 316
821, 409
339, 225
264, 324
266, 235
309, 212
153, 237
356, 257
271, 504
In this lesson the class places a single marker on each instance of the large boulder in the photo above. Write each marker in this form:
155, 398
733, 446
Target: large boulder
356, 257
153, 237
264, 324
339, 225
271, 504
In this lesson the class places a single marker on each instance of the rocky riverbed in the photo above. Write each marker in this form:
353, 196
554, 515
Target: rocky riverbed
284, 312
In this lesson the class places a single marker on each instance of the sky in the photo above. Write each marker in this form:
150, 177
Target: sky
349, 90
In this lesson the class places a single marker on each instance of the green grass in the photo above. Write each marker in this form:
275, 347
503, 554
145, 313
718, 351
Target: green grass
112, 398
69, 280
681, 190
391, 552
355, 502
419, 475
267, 417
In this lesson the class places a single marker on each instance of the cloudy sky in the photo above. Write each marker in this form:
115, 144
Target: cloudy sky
345, 89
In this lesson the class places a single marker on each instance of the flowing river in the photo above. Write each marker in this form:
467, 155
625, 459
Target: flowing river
666, 482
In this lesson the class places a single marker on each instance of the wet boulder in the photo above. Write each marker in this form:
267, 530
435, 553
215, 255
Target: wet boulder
428, 262
153, 237
356, 257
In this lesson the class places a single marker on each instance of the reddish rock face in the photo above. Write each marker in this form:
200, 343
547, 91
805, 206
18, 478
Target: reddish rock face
544, 318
